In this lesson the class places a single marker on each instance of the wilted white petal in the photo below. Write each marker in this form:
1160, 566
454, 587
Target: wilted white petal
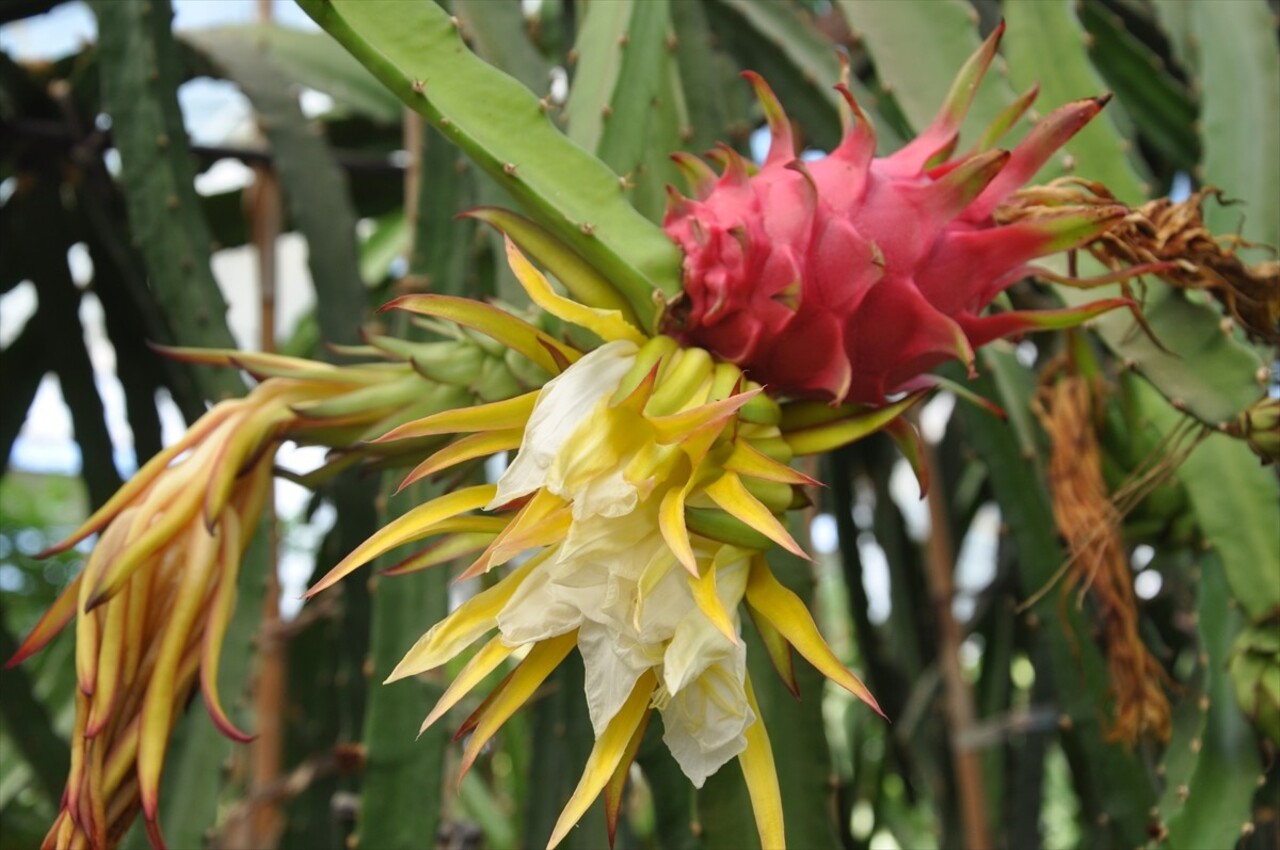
667, 605
621, 545
611, 671
697, 643
562, 405
539, 610
608, 495
696, 763
704, 725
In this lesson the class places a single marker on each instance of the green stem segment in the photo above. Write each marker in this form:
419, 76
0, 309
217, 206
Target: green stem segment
416, 50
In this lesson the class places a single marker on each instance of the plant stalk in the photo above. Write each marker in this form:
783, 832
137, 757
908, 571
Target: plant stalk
266, 819
940, 565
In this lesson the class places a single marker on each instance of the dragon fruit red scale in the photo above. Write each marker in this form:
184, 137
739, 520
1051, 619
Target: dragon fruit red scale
850, 277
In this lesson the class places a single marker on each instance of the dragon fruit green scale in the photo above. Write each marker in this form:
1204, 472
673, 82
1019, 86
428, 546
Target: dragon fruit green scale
849, 278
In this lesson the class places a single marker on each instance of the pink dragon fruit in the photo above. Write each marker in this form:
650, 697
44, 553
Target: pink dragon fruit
850, 277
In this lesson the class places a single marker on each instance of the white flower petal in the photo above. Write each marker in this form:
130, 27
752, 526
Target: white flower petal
620, 545
696, 763
563, 403
608, 496
667, 605
705, 724
611, 672
697, 643
539, 610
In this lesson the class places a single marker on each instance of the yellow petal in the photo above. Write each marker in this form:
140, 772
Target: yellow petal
79, 748
484, 662
173, 502
778, 650
95, 824
710, 603
579, 277
249, 360
507, 329
697, 445
186, 673
758, 769
606, 755
162, 690
506, 415
255, 487
414, 525
121, 757
254, 433
114, 620
674, 531
553, 529
753, 463
135, 647
678, 426
729, 493
635, 401
807, 436
524, 680
62, 829
613, 791
789, 615
220, 609
466, 624
49, 624
467, 448
89, 624
609, 325
450, 547
543, 520
143, 478
266, 366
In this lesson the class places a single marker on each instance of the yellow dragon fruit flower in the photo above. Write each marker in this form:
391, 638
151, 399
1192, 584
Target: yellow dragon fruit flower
647, 485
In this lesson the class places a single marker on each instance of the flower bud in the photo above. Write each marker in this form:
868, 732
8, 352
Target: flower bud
1259, 426
1255, 671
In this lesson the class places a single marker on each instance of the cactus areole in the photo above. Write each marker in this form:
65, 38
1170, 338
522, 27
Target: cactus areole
848, 278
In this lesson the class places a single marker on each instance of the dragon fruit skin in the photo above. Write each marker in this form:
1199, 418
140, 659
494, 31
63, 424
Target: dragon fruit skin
850, 277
